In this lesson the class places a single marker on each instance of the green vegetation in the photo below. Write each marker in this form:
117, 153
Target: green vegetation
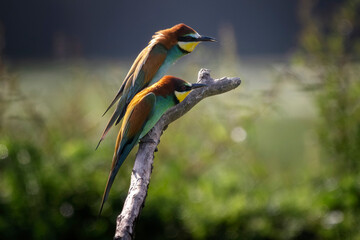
278, 158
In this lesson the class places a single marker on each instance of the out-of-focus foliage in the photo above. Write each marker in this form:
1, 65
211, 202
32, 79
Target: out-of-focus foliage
329, 56
330, 44
261, 162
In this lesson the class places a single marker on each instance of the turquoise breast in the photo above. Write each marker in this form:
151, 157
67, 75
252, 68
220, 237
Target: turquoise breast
162, 104
173, 54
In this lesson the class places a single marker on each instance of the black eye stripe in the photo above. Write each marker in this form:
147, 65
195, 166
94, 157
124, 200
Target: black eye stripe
187, 39
184, 88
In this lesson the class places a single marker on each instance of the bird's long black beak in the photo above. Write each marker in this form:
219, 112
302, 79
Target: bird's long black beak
197, 85
205, 39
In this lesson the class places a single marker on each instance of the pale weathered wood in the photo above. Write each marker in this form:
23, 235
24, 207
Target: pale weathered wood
140, 177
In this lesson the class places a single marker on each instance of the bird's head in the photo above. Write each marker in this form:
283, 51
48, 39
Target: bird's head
182, 35
188, 38
170, 85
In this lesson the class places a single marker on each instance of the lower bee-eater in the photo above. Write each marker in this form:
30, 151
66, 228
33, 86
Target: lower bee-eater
143, 112
151, 64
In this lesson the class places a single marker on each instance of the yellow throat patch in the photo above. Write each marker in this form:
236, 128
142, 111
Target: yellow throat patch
188, 46
181, 95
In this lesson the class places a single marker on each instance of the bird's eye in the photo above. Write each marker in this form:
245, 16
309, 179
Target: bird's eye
186, 39
185, 88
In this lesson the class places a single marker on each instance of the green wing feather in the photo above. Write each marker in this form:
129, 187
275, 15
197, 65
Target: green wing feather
132, 126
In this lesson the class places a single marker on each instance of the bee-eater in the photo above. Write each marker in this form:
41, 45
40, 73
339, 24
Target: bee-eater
142, 113
165, 47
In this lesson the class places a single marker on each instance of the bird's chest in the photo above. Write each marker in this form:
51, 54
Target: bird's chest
161, 106
173, 54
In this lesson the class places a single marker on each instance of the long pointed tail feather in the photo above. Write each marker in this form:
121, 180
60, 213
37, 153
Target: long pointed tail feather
115, 117
121, 115
109, 183
119, 93
117, 162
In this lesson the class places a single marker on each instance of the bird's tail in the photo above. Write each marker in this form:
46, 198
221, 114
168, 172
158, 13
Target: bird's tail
117, 161
107, 188
119, 93
116, 117
114, 170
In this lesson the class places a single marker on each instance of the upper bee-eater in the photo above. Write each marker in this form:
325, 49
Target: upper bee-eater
142, 113
165, 47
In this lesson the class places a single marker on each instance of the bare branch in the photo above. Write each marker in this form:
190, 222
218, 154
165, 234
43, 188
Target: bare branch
140, 177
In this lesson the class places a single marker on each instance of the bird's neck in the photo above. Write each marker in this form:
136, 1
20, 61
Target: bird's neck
172, 55
163, 103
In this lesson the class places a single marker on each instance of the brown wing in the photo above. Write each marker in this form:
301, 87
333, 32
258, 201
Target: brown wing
135, 119
140, 75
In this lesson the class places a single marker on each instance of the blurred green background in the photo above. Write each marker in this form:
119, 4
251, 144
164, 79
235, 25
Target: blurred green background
277, 158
